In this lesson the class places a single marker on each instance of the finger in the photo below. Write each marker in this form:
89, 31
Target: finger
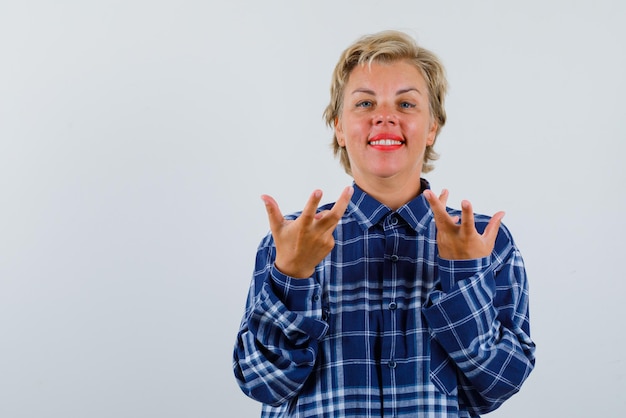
342, 203
436, 203
443, 197
491, 231
332, 216
274, 215
438, 206
467, 217
308, 213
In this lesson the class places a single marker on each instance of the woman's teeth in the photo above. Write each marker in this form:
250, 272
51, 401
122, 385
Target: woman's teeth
386, 142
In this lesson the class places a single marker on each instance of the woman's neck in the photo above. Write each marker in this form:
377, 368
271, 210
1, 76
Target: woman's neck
390, 192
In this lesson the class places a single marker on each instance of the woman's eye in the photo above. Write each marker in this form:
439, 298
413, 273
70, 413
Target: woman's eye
407, 105
364, 103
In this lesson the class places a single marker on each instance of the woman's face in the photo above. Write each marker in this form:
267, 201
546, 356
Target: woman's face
385, 123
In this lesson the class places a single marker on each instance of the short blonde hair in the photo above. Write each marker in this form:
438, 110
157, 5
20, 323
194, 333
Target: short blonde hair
387, 47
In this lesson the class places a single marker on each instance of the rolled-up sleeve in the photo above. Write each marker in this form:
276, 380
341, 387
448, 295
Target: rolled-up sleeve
479, 320
278, 338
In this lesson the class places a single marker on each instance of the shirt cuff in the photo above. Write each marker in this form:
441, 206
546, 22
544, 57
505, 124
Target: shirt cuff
453, 271
298, 295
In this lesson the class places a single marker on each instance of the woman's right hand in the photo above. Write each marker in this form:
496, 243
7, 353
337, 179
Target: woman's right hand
301, 244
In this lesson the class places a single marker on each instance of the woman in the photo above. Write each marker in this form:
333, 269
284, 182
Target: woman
385, 303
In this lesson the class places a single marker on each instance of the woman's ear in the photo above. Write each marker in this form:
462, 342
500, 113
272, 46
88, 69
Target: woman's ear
432, 133
339, 133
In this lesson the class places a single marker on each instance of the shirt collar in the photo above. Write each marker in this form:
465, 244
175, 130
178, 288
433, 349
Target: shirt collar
369, 211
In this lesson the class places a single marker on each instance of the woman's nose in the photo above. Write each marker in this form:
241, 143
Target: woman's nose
384, 117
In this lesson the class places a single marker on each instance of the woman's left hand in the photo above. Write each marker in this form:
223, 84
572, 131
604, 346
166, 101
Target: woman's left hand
461, 241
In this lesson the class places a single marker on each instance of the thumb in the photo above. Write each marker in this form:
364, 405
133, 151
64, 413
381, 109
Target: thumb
491, 231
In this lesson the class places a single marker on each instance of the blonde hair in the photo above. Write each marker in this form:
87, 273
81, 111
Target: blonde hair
387, 47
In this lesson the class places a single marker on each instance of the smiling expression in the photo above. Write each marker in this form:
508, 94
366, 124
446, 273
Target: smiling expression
385, 123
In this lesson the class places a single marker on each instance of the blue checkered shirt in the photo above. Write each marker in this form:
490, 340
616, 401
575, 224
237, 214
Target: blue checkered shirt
384, 327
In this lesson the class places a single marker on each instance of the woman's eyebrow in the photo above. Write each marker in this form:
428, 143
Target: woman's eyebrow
363, 90
409, 89
401, 91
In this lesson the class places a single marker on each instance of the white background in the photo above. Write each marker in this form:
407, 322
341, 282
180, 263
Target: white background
137, 136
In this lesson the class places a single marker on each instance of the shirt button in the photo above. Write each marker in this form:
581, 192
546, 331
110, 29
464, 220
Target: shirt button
316, 297
393, 305
325, 314
394, 258
394, 221
391, 364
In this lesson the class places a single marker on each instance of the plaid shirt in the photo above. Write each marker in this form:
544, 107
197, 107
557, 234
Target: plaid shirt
384, 327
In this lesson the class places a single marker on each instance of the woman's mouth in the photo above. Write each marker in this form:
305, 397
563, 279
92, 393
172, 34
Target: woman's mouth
386, 142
